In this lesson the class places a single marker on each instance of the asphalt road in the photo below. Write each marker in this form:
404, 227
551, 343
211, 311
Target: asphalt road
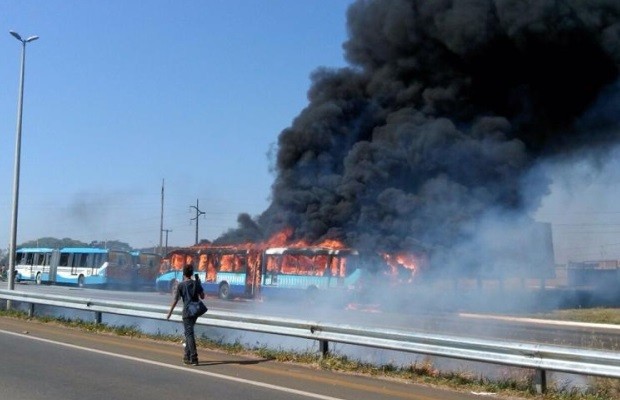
47, 361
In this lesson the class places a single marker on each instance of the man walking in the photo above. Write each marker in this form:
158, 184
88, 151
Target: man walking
189, 290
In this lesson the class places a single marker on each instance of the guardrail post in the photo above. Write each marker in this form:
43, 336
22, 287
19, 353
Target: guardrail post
31, 310
97, 317
324, 347
540, 381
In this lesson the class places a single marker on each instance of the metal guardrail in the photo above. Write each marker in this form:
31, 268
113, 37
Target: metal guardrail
541, 358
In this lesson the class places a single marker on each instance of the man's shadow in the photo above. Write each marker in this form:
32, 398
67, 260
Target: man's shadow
239, 362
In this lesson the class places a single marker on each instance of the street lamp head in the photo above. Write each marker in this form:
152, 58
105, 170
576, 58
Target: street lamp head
16, 35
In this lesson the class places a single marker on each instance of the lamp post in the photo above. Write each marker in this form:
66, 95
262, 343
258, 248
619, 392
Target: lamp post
18, 144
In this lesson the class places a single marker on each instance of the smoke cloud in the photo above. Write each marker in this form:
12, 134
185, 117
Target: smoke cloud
440, 120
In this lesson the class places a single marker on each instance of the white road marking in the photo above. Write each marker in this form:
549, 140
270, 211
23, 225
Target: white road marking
542, 321
180, 368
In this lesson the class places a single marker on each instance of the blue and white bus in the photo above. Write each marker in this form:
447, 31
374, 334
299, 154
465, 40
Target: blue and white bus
171, 268
229, 272
225, 271
311, 271
275, 272
34, 264
80, 266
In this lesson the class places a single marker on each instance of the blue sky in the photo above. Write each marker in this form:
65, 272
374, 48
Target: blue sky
120, 95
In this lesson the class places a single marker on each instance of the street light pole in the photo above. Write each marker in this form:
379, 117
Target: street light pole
18, 144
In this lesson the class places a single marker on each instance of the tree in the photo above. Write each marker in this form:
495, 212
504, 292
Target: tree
111, 244
53, 243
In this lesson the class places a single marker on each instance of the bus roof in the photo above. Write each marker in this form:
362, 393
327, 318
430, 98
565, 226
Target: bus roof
184, 251
85, 250
34, 250
310, 251
223, 250
139, 252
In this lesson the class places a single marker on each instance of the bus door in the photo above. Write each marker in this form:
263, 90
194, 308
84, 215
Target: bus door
64, 262
252, 275
96, 261
80, 260
38, 264
73, 263
271, 268
29, 261
242, 266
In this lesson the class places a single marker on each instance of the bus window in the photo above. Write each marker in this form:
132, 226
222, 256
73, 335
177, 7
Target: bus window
64, 260
80, 260
211, 264
240, 264
98, 260
29, 258
231, 263
202, 262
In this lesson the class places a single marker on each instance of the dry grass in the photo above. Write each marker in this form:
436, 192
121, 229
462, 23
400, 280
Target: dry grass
593, 315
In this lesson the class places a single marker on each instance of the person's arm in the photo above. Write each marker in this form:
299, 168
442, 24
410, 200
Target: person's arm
201, 292
174, 303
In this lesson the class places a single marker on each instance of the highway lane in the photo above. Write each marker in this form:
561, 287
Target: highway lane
47, 361
449, 323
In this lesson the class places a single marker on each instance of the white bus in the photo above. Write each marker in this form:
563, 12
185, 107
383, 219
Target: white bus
78, 266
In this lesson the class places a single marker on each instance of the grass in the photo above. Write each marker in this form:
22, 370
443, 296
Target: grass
593, 315
514, 384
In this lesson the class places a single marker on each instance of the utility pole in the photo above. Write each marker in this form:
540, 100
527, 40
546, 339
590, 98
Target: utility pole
198, 214
18, 145
161, 221
167, 231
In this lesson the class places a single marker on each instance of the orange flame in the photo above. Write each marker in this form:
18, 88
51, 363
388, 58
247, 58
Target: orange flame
403, 266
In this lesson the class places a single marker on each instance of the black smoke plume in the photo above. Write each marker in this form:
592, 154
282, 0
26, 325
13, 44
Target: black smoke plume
446, 108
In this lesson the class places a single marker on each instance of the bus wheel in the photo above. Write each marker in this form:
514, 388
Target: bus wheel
38, 279
173, 286
224, 291
81, 281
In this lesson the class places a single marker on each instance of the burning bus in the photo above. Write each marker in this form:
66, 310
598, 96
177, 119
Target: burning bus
224, 270
250, 271
171, 267
229, 271
289, 270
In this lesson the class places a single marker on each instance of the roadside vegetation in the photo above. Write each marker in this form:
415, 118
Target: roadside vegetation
593, 315
515, 385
